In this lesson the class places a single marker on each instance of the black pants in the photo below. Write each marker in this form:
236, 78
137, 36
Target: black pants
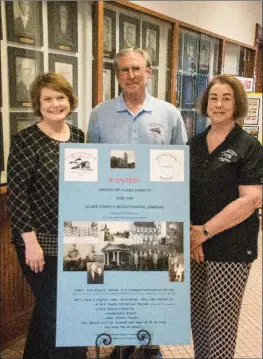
41, 337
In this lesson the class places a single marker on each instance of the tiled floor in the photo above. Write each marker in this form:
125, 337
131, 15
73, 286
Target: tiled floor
249, 340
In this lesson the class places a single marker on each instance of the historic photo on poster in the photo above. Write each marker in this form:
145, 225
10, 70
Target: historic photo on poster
123, 244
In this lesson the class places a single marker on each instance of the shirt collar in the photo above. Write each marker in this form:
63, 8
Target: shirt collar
146, 106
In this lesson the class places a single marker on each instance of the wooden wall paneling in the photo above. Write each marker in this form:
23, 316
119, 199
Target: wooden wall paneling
97, 13
258, 69
16, 300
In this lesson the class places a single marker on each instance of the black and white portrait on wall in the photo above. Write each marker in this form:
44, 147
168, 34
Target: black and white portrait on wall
62, 25
152, 85
66, 66
24, 22
24, 66
108, 81
129, 31
109, 33
150, 41
204, 56
25, 75
190, 53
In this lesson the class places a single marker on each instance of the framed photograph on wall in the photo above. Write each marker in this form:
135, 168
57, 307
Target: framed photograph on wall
72, 119
24, 22
20, 121
152, 85
150, 41
67, 66
188, 93
2, 163
63, 25
252, 130
189, 121
108, 81
129, 32
190, 52
24, 66
109, 33
204, 56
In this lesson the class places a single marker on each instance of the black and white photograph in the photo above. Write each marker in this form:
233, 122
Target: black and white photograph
62, 25
200, 124
95, 273
2, 164
24, 22
24, 66
204, 56
188, 93
77, 256
108, 81
67, 66
21, 120
150, 41
122, 159
190, 53
189, 120
152, 85
109, 33
72, 119
252, 130
79, 231
141, 246
129, 32
202, 82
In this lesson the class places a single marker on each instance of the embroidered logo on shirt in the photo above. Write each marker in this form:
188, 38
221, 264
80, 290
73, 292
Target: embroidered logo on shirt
227, 156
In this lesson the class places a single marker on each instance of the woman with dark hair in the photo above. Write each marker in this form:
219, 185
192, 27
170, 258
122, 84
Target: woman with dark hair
226, 192
33, 172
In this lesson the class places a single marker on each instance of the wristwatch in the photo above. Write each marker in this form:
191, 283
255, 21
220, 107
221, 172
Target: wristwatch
206, 232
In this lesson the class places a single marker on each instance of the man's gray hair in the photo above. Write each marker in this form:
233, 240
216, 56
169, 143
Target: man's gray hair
145, 55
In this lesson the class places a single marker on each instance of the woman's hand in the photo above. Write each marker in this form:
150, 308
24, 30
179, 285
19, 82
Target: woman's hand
198, 254
197, 236
34, 255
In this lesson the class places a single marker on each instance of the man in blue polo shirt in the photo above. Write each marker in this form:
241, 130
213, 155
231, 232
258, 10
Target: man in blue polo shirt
135, 117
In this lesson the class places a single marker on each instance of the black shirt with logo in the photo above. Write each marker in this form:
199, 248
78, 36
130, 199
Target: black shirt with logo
215, 178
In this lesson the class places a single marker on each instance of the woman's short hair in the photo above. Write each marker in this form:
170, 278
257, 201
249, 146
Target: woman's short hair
145, 55
53, 81
240, 95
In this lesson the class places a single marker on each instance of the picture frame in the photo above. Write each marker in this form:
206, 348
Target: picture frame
67, 66
24, 66
150, 41
190, 52
129, 32
2, 161
189, 121
201, 85
188, 91
28, 31
21, 120
109, 33
108, 81
72, 119
152, 85
204, 56
63, 25
252, 130
200, 124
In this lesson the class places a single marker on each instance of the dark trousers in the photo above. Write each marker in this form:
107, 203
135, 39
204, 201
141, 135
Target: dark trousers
41, 337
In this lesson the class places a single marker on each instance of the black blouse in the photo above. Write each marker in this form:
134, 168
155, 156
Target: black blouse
215, 178
33, 175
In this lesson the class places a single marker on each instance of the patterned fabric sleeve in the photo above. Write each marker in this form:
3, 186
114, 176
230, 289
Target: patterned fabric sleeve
20, 173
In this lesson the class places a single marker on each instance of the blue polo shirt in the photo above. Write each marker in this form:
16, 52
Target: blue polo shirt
157, 123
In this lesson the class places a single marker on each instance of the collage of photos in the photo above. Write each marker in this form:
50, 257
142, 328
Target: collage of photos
95, 247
